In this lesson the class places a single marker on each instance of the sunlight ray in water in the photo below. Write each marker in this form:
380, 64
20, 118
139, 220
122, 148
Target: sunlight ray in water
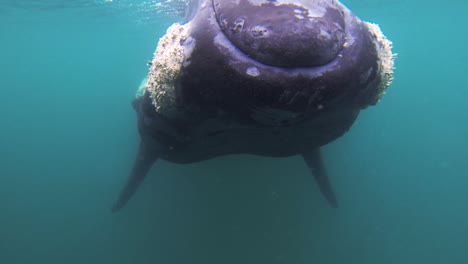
140, 10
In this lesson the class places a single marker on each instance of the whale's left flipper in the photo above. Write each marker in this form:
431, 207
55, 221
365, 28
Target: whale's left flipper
143, 163
314, 161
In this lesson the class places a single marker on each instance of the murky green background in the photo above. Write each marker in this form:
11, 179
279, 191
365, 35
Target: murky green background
68, 72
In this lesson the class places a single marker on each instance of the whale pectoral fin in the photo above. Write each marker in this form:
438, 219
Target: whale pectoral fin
314, 161
143, 162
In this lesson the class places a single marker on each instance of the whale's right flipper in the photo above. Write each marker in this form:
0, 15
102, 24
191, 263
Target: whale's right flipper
314, 161
143, 163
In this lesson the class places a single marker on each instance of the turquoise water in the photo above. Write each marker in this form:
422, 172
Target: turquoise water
68, 72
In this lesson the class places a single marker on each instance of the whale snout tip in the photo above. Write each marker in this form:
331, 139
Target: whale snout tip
290, 34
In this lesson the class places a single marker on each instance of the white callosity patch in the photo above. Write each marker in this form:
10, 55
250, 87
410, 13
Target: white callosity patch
386, 59
299, 13
238, 25
169, 58
259, 31
253, 71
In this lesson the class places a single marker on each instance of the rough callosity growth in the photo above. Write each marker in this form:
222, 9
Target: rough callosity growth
386, 59
166, 66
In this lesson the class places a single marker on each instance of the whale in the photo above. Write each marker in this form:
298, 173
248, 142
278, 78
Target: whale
275, 78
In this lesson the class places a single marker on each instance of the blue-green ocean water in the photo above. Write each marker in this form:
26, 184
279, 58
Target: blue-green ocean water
68, 72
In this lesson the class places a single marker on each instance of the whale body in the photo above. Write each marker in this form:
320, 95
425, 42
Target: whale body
265, 77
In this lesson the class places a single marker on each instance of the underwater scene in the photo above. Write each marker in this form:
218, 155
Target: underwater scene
99, 164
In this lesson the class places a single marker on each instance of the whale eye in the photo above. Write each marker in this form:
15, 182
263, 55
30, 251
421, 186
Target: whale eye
292, 33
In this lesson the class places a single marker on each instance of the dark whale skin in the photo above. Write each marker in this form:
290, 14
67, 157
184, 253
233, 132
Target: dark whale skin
262, 78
